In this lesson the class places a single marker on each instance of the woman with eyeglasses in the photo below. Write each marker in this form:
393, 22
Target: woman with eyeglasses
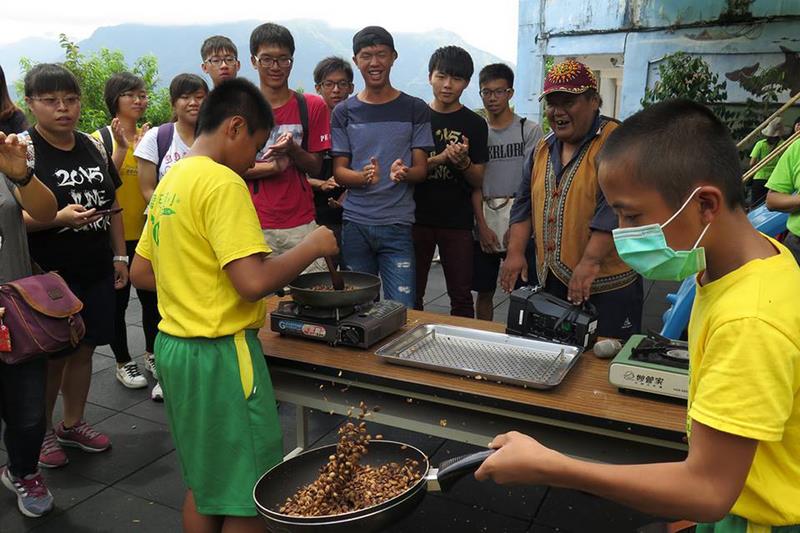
162, 147
126, 99
12, 119
80, 243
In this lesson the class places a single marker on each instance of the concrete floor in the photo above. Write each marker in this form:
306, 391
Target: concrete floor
137, 485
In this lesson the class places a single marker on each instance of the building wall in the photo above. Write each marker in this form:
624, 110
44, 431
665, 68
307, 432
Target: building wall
642, 32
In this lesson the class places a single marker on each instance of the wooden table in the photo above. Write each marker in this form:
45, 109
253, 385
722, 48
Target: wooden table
584, 416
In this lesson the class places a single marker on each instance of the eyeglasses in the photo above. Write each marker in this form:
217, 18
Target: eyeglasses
497, 93
228, 60
141, 96
342, 84
267, 62
54, 101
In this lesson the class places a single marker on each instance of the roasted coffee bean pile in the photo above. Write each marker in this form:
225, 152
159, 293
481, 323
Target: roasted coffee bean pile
345, 485
329, 288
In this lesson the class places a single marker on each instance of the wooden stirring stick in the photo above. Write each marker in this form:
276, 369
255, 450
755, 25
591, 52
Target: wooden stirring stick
336, 276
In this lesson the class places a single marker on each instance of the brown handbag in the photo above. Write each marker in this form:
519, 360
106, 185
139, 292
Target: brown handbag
42, 316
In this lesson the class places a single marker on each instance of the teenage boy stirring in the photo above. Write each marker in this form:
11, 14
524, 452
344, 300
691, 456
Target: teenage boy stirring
220, 403
444, 215
381, 140
742, 471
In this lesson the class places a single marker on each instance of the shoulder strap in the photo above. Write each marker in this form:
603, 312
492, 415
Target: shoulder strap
303, 108
522, 129
98, 145
163, 139
108, 141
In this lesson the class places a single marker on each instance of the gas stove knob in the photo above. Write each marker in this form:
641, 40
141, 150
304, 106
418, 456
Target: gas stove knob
350, 335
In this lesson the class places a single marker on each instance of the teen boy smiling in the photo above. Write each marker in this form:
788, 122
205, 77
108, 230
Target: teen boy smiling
444, 215
381, 140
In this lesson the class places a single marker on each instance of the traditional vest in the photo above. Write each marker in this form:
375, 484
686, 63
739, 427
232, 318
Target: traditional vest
562, 212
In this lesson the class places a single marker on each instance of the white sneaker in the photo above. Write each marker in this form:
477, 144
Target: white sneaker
150, 364
157, 395
129, 375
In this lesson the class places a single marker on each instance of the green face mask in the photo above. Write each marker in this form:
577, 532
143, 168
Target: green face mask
645, 250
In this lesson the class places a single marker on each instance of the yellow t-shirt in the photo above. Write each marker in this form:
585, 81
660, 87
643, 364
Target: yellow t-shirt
744, 378
201, 218
129, 194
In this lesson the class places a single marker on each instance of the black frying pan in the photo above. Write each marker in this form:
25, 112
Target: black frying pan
283, 480
365, 288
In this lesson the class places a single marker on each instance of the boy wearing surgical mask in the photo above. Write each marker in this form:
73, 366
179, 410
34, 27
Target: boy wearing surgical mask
679, 216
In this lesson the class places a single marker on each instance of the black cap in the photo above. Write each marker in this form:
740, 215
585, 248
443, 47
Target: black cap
372, 36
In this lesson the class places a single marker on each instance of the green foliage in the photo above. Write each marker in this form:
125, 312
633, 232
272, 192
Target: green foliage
549, 61
682, 75
93, 70
765, 85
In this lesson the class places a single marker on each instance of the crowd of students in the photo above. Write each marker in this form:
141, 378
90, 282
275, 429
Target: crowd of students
249, 186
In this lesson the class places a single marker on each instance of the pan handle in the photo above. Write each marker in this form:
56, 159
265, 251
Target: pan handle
450, 471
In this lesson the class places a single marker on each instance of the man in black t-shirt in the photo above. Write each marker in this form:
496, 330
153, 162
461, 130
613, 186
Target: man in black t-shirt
444, 215
333, 80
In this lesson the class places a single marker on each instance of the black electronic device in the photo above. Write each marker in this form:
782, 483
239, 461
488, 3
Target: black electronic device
359, 326
537, 314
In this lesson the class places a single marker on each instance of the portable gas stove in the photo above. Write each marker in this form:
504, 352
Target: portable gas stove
653, 364
359, 326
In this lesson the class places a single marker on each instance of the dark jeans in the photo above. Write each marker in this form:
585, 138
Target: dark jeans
619, 311
22, 402
387, 251
150, 316
455, 251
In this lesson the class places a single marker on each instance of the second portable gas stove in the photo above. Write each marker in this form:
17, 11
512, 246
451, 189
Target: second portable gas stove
653, 364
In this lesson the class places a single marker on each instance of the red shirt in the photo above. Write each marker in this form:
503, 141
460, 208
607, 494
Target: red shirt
286, 200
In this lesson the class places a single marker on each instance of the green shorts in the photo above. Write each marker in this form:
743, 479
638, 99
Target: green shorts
737, 524
222, 415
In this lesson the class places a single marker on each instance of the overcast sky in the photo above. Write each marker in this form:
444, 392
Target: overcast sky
490, 25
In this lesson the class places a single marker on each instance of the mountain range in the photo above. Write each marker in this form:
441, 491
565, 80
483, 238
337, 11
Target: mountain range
178, 50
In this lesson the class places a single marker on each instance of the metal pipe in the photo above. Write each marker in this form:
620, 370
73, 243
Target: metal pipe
771, 156
744, 142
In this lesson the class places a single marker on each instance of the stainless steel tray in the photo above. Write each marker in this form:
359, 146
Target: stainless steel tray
483, 355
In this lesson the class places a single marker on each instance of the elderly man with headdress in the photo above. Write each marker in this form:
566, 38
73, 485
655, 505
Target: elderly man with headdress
561, 204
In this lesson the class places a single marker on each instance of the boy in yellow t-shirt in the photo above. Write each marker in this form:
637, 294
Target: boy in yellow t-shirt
742, 473
203, 248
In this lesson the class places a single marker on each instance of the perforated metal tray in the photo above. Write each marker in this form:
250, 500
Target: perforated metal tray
483, 355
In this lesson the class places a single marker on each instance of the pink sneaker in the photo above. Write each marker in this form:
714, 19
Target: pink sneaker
82, 436
52, 454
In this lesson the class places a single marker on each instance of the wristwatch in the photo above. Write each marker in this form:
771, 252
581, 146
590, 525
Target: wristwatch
25, 180
121, 259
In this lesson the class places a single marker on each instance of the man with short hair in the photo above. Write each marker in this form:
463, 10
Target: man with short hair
220, 59
333, 80
511, 140
278, 182
561, 202
381, 140
444, 216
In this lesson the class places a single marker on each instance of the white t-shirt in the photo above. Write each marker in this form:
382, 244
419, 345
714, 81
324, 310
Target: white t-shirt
148, 150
